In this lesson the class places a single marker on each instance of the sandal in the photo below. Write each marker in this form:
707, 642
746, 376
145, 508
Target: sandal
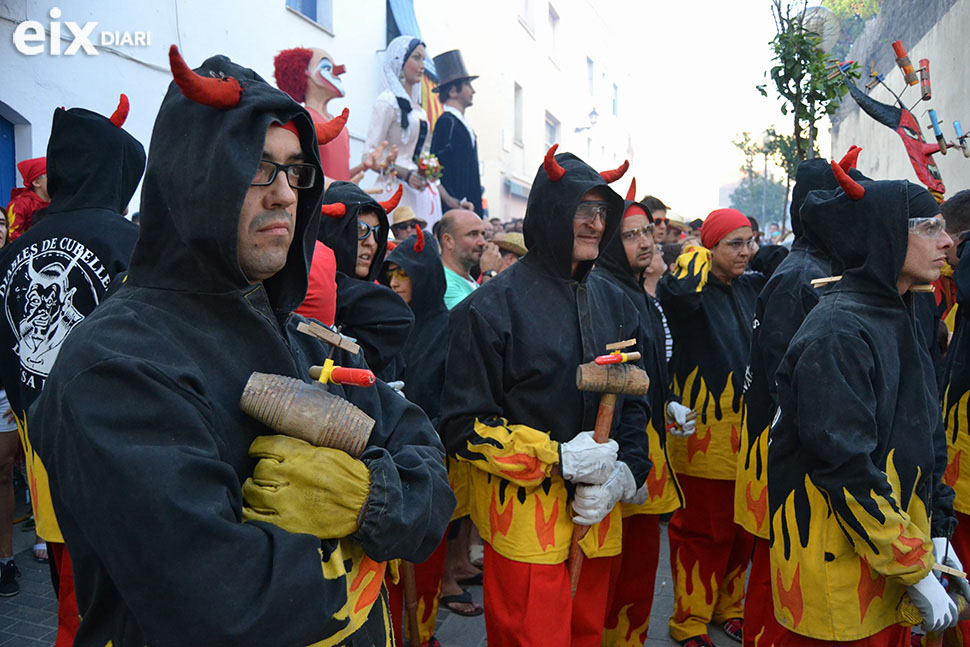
40, 552
734, 627
464, 598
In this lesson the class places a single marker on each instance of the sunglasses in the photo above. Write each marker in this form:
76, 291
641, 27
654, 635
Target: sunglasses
398, 274
364, 230
404, 226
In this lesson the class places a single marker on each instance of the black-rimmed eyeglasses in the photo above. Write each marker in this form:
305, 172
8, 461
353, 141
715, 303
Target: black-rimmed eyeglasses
298, 176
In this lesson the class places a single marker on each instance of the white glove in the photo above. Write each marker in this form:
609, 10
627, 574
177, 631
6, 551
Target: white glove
929, 596
584, 460
593, 502
944, 553
398, 386
641, 496
678, 413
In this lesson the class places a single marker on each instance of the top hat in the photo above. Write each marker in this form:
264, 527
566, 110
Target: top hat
450, 68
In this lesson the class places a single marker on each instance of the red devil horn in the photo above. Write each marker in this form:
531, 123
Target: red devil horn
615, 174
121, 112
335, 210
339, 69
553, 168
221, 93
328, 132
850, 158
391, 203
852, 188
419, 243
631, 194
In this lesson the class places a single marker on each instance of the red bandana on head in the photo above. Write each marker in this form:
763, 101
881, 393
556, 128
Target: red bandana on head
720, 223
32, 169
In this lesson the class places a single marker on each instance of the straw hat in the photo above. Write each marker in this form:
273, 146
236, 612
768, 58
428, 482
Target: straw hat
405, 214
513, 242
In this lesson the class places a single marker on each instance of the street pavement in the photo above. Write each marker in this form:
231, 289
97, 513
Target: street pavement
30, 618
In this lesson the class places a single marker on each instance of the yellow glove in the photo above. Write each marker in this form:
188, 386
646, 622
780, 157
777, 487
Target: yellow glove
694, 262
306, 489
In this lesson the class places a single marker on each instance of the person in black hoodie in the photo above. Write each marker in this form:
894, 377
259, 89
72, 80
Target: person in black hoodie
356, 230
709, 301
786, 299
511, 409
858, 513
621, 265
188, 524
956, 395
53, 277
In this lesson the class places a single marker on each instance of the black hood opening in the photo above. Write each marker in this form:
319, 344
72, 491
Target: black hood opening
200, 165
548, 225
340, 234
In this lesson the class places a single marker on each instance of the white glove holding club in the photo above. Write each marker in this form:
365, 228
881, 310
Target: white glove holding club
593, 502
929, 596
944, 553
583, 460
684, 419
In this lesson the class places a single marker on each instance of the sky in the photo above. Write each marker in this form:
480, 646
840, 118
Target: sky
694, 73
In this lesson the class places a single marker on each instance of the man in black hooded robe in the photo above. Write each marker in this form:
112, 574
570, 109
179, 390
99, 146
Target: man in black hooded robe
188, 524
511, 409
858, 512
52, 279
621, 265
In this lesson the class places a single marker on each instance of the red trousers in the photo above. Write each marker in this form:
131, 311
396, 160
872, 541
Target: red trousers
709, 554
895, 636
761, 629
531, 605
68, 619
427, 579
631, 595
961, 544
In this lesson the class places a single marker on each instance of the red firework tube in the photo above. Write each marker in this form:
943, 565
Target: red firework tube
924, 79
902, 60
616, 358
352, 376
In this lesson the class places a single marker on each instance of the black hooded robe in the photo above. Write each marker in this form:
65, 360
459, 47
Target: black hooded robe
612, 267
367, 311
147, 447
853, 476
510, 393
54, 276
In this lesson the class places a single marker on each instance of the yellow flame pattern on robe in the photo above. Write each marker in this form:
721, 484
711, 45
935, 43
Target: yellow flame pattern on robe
40, 489
831, 588
957, 449
664, 492
751, 488
519, 507
711, 452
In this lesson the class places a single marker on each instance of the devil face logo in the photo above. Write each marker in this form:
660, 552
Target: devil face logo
45, 295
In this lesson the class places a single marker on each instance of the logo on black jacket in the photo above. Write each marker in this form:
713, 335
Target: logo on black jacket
48, 290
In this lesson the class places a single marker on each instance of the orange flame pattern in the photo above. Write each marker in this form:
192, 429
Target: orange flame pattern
955, 419
546, 528
522, 512
39, 484
856, 580
791, 598
711, 452
363, 578
662, 487
871, 586
751, 485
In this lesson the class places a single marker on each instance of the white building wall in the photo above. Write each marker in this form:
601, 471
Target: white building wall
250, 32
883, 155
510, 41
